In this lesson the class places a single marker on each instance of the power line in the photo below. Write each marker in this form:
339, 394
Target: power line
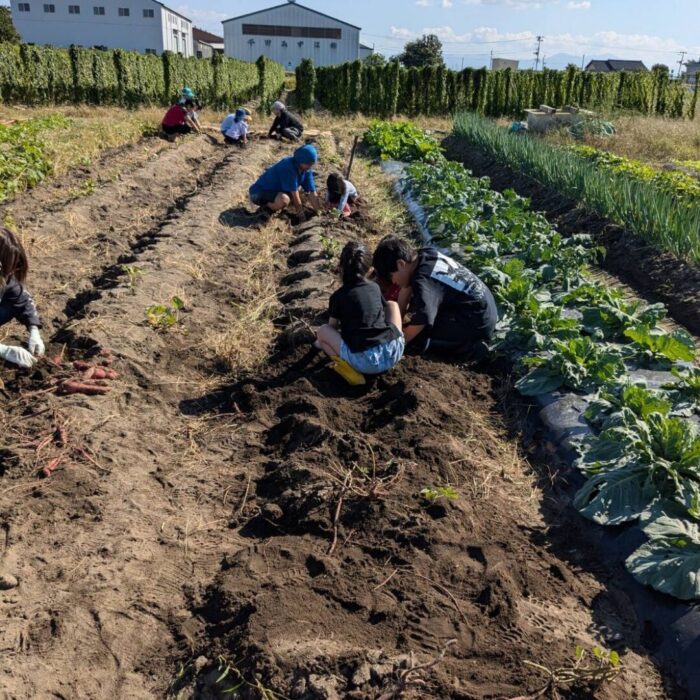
540, 39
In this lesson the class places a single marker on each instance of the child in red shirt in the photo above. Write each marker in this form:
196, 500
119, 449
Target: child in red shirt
176, 120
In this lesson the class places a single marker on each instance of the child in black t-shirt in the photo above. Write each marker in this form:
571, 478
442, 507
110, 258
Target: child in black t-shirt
451, 309
363, 329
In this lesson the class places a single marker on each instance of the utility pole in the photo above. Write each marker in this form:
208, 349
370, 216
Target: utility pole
540, 39
680, 63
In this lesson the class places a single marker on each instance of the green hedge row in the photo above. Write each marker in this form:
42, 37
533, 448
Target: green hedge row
46, 75
270, 80
383, 91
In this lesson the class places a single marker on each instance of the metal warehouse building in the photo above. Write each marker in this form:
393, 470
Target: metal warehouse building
290, 32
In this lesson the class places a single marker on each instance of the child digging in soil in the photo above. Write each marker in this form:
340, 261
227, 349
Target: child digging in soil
286, 125
235, 131
451, 309
177, 120
280, 185
340, 194
16, 302
370, 338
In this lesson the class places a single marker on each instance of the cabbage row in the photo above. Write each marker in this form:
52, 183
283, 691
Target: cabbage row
564, 332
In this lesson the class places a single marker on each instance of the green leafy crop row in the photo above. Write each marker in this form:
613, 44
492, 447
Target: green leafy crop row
23, 159
674, 182
564, 331
651, 211
48, 75
401, 141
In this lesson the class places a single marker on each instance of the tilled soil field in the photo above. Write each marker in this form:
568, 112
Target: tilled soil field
200, 532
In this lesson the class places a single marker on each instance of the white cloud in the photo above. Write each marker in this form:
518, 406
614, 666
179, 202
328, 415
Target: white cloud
423, 3
583, 5
447, 3
604, 44
403, 33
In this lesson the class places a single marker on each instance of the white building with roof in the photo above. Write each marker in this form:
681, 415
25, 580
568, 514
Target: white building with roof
147, 26
290, 32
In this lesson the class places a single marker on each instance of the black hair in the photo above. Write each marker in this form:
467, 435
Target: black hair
336, 187
355, 262
189, 103
13, 259
386, 257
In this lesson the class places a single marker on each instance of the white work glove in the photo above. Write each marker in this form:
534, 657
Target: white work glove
35, 343
16, 355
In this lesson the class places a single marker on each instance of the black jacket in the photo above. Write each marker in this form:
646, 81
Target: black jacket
284, 121
20, 301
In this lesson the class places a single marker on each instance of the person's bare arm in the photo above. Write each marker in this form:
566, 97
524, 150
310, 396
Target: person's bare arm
315, 201
333, 322
410, 332
193, 124
296, 201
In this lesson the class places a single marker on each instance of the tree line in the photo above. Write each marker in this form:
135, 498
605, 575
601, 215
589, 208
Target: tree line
384, 90
41, 75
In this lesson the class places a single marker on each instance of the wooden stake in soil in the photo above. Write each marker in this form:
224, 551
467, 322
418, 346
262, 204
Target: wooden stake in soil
352, 157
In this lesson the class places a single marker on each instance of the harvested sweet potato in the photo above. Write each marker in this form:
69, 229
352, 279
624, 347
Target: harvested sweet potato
77, 386
82, 365
51, 466
89, 373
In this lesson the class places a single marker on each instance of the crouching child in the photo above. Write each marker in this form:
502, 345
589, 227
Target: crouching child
363, 329
236, 131
281, 185
340, 194
451, 309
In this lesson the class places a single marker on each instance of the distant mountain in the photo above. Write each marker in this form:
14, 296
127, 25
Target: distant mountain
557, 61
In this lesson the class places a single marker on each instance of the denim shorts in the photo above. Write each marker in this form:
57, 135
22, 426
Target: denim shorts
374, 360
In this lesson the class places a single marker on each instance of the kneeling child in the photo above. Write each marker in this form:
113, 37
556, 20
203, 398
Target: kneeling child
363, 329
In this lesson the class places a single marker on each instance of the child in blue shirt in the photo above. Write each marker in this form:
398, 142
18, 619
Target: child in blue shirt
280, 185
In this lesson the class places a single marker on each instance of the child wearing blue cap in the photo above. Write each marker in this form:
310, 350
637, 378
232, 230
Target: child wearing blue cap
280, 185
235, 130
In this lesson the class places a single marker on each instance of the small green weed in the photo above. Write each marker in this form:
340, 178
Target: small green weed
134, 274
164, 316
85, 189
590, 668
433, 494
231, 680
331, 247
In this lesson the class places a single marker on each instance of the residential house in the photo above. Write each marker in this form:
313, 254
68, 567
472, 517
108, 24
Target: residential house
615, 66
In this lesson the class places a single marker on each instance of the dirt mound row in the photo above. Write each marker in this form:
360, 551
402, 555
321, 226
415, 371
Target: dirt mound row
107, 547
83, 243
351, 584
652, 273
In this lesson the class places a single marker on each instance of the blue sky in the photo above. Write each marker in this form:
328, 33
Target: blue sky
648, 29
